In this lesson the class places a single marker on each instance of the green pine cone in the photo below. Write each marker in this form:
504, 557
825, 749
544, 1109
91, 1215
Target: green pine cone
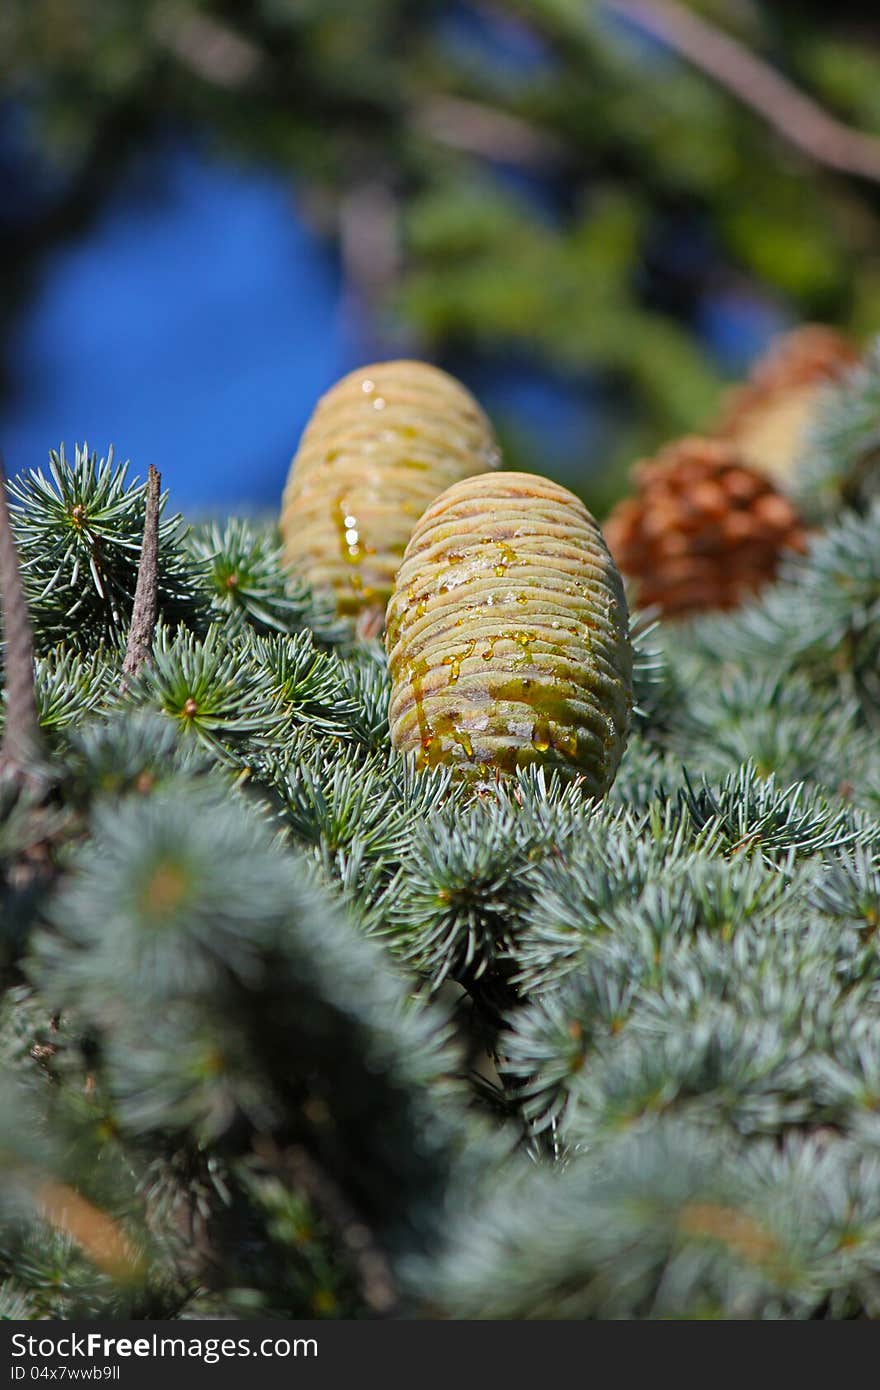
378, 449
508, 634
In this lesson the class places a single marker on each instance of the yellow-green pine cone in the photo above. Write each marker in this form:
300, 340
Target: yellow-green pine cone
377, 450
508, 634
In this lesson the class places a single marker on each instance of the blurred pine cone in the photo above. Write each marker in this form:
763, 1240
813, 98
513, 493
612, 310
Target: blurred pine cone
767, 418
703, 530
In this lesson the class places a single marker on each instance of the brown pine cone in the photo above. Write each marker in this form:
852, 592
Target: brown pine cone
703, 530
768, 417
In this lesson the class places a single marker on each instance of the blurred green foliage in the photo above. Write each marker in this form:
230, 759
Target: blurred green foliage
510, 177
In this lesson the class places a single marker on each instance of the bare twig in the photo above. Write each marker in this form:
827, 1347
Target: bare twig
21, 737
146, 594
801, 120
374, 1274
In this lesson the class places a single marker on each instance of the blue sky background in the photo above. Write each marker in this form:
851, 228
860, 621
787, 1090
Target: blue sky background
192, 330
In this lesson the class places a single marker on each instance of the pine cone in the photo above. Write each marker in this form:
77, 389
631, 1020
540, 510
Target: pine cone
508, 634
767, 418
703, 530
377, 450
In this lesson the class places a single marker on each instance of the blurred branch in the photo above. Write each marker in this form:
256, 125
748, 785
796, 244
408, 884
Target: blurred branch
99, 1236
207, 47
481, 130
369, 239
213, 51
795, 116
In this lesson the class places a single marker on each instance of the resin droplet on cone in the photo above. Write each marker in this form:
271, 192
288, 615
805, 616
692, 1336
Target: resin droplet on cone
377, 450
703, 531
508, 634
769, 417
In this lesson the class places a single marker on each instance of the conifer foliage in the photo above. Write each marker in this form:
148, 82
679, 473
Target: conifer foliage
290, 1027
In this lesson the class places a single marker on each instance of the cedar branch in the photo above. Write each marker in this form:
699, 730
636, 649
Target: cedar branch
800, 119
478, 129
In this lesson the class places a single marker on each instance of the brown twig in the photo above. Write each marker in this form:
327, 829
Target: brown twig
374, 1273
21, 736
800, 119
146, 595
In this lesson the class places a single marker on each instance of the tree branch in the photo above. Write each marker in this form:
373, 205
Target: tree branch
481, 130
146, 595
795, 116
21, 736
369, 239
208, 47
